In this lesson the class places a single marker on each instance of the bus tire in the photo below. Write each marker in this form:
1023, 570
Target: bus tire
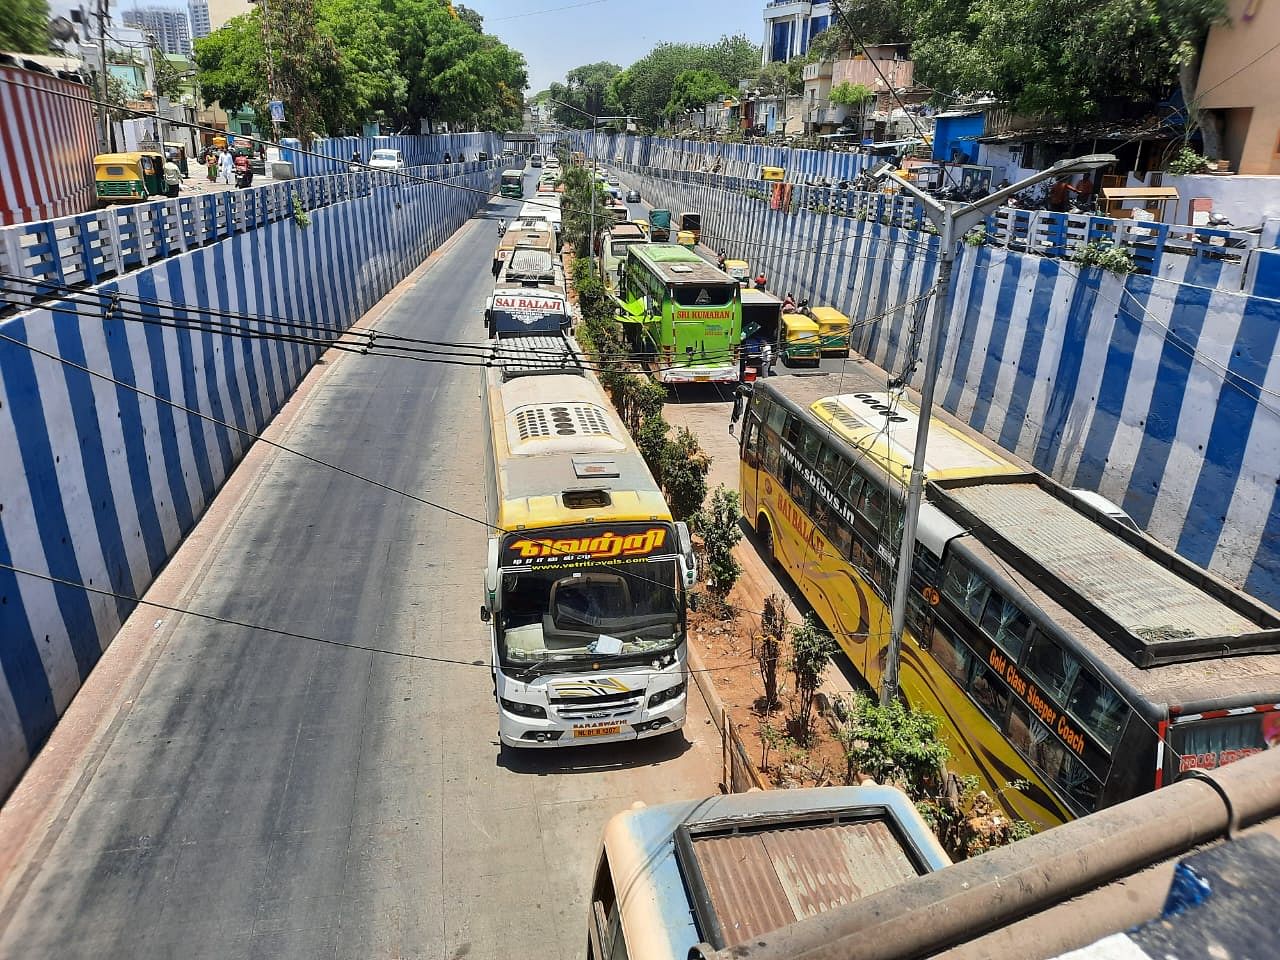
765, 529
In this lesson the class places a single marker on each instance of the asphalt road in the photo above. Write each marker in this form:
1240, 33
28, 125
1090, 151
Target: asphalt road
273, 797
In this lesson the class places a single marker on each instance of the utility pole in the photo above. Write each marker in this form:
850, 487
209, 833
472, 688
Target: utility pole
104, 143
953, 221
595, 123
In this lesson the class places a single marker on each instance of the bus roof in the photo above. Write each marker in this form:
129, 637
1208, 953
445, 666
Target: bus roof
676, 264
544, 448
1158, 624
756, 862
752, 296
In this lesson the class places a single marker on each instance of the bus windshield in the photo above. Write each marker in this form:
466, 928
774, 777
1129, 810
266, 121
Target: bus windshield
704, 294
567, 607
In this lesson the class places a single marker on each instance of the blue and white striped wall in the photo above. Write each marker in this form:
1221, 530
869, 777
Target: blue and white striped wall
1164, 396
727, 159
99, 485
335, 153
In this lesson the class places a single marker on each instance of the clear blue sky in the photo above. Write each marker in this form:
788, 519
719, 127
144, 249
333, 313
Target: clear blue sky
554, 41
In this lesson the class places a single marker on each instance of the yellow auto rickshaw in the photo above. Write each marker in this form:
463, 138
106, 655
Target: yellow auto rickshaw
833, 328
643, 225
177, 152
740, 270
687, 238
128, 177
801, 342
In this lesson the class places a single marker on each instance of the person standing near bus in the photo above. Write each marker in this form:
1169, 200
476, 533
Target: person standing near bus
766, 360
172, 178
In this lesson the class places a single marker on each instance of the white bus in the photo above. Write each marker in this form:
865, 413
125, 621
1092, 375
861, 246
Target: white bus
584, 585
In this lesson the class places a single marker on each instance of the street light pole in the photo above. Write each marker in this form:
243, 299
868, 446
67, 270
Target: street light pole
953, 221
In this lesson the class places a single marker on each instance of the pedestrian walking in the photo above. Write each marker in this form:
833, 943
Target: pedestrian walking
211, 161
172, 178
226, 166
761, 282
740, 395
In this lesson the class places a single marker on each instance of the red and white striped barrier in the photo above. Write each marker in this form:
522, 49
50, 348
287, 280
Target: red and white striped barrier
47, 145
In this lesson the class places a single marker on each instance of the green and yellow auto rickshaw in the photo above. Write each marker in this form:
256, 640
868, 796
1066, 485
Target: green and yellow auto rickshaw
833, 328
128, 177
800, 340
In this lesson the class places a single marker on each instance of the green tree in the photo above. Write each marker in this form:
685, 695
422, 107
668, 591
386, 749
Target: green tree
588, 88
644, 89
24, 26
454, 74
230, 62
768, 647
718, 522
894, 745
373, 83
811, 651
684, 474
694, 89
1056, 57
850, 94
471, 18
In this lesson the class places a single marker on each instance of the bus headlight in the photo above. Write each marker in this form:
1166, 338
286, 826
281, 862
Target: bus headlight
663, 696
531, 710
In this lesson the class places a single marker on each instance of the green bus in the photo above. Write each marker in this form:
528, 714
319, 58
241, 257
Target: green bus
512, 184
683, 315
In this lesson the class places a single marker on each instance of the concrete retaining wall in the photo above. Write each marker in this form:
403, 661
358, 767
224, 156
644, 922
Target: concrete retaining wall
99, 485
1164, 396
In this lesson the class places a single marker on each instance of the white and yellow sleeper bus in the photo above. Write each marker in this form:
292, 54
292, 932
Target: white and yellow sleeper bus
586, 573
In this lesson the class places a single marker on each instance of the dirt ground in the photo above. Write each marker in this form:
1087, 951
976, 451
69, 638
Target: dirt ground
727, 647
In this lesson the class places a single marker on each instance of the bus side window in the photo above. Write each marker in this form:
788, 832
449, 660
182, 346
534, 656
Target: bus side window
810, 446
772, 450
751, 443
991, 696
951, 655
792, 432
1052, 667
1006, 625
606, 919
967, 589
777, 419
1100, 708
1048, 755
832, 466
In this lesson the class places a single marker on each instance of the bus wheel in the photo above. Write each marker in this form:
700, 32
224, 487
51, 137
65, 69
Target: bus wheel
765, 530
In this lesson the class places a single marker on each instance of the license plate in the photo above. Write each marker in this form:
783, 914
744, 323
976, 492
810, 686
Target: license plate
701, 379
606, 731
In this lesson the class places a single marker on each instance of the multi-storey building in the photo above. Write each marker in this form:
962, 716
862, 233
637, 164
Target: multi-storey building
169, 26
790, 26
201, 26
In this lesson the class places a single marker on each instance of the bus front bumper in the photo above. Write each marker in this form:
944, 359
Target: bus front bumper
718, 374
526, 733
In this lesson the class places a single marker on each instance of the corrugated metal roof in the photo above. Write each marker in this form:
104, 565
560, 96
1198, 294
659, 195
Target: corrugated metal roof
1143, 596
765, 880
527, 356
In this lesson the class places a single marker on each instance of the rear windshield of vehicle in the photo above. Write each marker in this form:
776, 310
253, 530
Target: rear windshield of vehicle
384, 155
704, 294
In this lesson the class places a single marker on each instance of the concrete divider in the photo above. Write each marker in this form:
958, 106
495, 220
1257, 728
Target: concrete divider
100, 483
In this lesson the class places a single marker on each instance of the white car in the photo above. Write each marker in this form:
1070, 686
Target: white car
553, 163
387, 160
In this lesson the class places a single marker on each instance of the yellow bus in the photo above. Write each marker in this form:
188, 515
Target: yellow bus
1074, 661
586, 573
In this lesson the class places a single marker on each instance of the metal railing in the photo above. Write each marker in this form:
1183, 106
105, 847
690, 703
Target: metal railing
89, 248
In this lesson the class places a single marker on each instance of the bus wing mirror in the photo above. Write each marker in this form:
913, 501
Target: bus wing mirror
492, 578
688, 559
484, 613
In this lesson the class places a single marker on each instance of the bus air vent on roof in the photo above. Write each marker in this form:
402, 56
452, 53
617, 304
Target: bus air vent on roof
562, 420
681, 268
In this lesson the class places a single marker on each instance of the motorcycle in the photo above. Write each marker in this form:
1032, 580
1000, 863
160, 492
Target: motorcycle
244, 171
